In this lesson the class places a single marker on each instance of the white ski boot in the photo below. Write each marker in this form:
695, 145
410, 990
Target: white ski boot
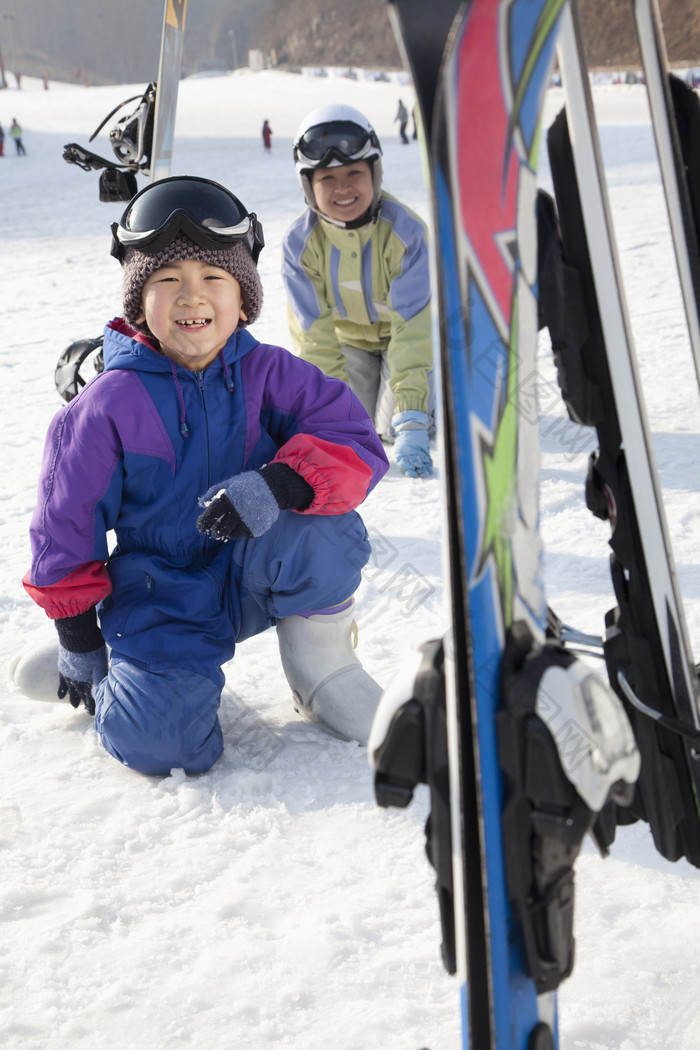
35, 674
329, 684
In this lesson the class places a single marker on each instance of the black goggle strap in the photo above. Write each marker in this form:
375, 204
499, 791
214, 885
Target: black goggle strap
256, 236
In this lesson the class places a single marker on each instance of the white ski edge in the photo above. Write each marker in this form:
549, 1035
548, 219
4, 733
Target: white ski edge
646, 492
655, 65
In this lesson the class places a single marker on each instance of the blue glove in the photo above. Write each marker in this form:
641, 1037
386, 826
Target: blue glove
411, 445
240, 506
249, 504
78, 673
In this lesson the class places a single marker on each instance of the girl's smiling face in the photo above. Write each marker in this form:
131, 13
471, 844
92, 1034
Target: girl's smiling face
344, 193
192, 308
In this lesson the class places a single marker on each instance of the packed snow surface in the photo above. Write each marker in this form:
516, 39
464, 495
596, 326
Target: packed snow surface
270, 903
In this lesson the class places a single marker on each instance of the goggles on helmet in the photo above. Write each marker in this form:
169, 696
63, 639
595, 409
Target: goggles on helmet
341, 140
204, 211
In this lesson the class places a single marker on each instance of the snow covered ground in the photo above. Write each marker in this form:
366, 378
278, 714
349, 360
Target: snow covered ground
270, 903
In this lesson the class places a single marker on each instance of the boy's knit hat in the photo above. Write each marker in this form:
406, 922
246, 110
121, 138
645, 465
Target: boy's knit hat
138, 267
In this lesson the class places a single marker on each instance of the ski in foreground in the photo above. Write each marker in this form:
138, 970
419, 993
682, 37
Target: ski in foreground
645, 646
521, 744
675, 114
515, 750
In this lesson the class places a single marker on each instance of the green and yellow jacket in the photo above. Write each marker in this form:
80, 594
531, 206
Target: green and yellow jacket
368, 288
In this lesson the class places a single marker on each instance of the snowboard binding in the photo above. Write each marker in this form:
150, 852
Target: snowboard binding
131, 139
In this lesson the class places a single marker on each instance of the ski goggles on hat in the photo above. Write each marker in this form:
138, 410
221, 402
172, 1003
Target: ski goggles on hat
202, 210
343, 140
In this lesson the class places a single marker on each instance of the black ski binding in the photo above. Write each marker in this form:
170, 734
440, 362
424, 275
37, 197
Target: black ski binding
408, 746
564, 764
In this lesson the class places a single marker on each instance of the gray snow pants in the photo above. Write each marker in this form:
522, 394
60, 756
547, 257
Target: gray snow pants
368, 378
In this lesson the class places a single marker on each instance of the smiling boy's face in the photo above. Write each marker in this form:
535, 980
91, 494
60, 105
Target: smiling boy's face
344, 193
192, 308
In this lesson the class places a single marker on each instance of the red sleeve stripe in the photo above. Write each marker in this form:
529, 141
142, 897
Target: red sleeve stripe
75, 593
339, 477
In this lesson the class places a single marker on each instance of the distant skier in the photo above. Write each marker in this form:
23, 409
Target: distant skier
267, 135
356, 270
402, 117
2, 142
229, 471
16, 133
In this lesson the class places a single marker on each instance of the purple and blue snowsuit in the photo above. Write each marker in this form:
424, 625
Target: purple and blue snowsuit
133, 453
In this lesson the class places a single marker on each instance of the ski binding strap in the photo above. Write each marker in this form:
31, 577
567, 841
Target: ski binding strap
566, 748
407, 747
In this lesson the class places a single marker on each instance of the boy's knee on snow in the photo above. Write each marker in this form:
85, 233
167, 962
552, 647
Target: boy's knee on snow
154, 722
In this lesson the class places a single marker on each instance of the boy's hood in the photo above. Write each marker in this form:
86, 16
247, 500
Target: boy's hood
127, 348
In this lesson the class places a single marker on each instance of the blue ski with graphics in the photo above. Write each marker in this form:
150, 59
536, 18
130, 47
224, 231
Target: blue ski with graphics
520, 744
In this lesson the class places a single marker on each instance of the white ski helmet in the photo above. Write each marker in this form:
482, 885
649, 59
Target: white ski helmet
331, 136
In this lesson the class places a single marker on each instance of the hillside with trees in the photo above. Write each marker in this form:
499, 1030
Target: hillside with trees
97, 43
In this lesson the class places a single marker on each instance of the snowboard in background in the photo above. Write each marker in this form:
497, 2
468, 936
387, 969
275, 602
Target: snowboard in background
143, 143
142, 140
171, 50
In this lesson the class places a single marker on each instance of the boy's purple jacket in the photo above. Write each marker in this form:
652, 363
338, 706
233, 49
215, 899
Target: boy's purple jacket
146, 438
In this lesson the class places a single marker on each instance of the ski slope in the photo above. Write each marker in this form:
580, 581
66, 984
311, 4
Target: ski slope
270, 903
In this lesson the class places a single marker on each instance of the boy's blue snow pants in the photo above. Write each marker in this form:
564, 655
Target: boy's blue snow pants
171, 628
